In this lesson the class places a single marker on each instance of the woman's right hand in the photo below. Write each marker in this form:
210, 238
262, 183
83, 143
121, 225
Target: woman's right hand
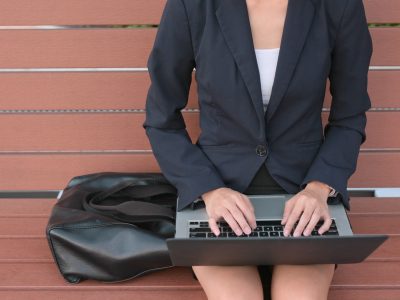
235, 207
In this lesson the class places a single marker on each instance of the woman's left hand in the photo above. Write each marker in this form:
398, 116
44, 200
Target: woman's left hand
311, 204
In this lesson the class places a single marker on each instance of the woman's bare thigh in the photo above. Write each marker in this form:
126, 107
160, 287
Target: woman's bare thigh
301, 281
230, 282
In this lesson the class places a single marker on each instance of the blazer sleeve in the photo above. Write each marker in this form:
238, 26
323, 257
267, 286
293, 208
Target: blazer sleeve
344, 133
170, 65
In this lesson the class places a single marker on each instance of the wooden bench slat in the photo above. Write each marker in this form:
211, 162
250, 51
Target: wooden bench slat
75, 12
367, 273
76, 293
128, 90
363, 293
26, 206
53, 171
73, 293
41, 275
362, 224
382, 11
374, 205
123, 48
43, 206
35, 248
46, 274
124, 131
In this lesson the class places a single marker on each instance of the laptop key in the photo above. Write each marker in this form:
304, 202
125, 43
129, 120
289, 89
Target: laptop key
330, 232
264, 234
258, 228
198, 234
274, 233
269, 222
200, 229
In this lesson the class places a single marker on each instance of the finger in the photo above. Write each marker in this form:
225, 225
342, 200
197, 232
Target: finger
313, 221
288, 209
213, 225
292, 218
248, 213
327, 223
247, 201
232, 222
304, 219
239, 217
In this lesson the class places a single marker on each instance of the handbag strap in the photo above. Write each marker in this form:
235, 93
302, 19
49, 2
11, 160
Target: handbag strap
136, 211
144, 191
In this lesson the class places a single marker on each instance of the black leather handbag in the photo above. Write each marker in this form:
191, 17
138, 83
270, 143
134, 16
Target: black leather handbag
112, 226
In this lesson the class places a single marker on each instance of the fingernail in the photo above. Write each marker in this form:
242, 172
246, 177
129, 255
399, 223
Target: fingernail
247, 230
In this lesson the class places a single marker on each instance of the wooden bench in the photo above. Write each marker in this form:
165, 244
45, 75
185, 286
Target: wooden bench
72, 102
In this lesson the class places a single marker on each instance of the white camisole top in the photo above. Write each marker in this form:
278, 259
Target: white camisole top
267, 60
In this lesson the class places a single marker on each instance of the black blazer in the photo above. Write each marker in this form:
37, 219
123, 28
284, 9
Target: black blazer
321, 39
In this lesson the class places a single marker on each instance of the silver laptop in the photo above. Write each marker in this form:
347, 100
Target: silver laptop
195, 243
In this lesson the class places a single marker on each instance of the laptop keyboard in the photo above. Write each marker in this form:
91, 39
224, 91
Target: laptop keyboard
265, 228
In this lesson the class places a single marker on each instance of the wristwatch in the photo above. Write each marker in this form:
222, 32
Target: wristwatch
333, 192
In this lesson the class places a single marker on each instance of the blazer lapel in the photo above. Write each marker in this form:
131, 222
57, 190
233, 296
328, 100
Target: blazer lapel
233, 19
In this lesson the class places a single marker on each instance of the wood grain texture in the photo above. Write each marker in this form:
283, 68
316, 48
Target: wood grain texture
128, 90
28, 268
124, 131
117, 48
26, 263
100, 12
13, 248
52, 171
43, 275
363, 224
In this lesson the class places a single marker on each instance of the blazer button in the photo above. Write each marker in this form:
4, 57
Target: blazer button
261, 150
